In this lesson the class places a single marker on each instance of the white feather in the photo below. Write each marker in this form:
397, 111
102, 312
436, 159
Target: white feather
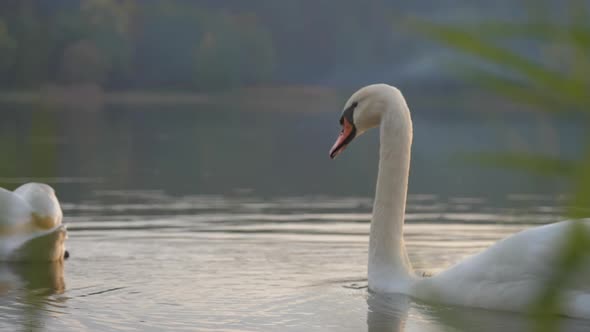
31, 224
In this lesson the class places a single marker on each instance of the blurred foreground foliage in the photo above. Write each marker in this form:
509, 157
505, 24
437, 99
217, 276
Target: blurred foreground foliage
542, 63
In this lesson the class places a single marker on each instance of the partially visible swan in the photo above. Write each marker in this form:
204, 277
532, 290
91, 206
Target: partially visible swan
30, 224
508, 276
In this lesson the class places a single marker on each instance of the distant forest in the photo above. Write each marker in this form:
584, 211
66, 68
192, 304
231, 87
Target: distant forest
190, 45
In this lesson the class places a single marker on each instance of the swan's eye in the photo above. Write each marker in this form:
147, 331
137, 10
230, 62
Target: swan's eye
347, 114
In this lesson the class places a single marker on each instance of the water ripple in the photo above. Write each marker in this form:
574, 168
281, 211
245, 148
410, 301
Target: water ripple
146, 260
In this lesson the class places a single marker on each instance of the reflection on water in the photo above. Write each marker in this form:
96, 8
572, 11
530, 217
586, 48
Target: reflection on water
231, 151
29, 293
397, 313
223, 220
387, 312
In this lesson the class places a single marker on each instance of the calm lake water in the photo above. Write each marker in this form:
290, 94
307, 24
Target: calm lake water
210, 218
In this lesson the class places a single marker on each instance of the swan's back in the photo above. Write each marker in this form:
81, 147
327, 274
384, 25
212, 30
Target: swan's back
46, 210
13, 210
30, 224
511, 274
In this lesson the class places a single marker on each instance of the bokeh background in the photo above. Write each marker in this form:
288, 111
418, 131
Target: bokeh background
226, 96
191, 138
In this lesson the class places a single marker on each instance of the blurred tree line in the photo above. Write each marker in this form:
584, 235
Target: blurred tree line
156, 44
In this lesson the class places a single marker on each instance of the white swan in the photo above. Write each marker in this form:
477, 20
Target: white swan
30, 224
508, 276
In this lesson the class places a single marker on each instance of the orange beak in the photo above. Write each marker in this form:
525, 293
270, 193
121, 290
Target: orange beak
346, 136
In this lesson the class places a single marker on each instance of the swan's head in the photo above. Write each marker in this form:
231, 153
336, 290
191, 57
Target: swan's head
364, 110
43, 202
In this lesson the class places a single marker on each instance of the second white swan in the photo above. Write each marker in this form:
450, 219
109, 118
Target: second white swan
31, 227
510, 275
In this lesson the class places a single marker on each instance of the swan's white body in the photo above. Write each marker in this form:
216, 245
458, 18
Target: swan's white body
31, 224
510, 275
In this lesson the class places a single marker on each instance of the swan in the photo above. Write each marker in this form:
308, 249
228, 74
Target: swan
31, 224
508, 276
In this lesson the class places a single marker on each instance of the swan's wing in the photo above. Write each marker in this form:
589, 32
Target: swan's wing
46, 209
509, 275
13, 210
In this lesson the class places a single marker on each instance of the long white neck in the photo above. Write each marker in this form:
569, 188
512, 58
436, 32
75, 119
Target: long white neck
389, 267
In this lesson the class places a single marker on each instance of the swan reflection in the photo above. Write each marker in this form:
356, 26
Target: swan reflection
387, 312
27, 290
399, 313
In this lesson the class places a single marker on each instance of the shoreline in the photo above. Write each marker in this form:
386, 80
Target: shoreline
284, 98
94, 98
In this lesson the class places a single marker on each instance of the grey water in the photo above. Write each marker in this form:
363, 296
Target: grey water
216, 218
